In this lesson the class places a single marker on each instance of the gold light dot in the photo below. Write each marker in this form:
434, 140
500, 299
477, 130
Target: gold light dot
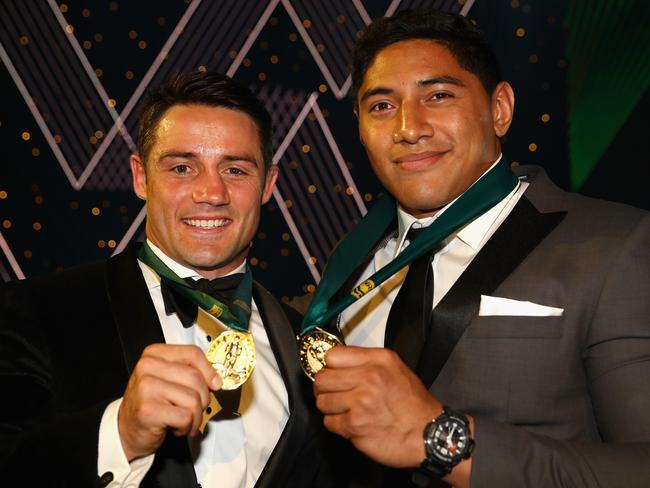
293, 165
6, 224
142, 44
128, 75
37, 226
284, 251
111, 102
133, 34
533, 58
311, 189
274, 59
286, 236
99, 134
28, 254
74, 205
337, 188
161, 20
262, 76
247, 62
340, 19
38, 199
514, 164
69, 28
95, 211
36, 188
113, 6
532, 147
101, 244
514, 3
63, 8
112, 243
306, 148
288, 203
24, 40
367, 197
261, 235
551, 20
311, 288
4, 194
99, 71
92, 140
312, 259
311, 116
87, 45
521, 32
264, 44
349, 190
562, 63
26, 136
202, 69
232, 54
322, 88
98, 37
273, 21
546, 117
293, 37
57, 138
306, 23
85, 12
264, 264
254, 261
124, 209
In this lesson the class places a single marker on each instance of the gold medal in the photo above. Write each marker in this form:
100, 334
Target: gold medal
312, 348
232, 354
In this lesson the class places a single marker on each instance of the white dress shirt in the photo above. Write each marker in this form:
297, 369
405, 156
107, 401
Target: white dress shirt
364, 322
230, 453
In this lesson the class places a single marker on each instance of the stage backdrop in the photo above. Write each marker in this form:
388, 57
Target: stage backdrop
74, 74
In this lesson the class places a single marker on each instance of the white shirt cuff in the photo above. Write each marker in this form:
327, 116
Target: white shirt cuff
111, 457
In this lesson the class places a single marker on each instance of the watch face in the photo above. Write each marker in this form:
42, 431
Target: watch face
450, 440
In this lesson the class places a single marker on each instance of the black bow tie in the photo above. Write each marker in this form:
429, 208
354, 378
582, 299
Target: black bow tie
220, 288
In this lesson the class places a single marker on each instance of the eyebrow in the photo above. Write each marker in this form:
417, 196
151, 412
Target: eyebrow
382, 90
192, 155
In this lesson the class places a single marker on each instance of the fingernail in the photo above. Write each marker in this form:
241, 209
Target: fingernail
215, 384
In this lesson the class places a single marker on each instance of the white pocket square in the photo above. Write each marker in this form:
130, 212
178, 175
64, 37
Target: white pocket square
496, 306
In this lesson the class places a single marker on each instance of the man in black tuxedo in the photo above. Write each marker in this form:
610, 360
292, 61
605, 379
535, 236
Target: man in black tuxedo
521, 339
103, 371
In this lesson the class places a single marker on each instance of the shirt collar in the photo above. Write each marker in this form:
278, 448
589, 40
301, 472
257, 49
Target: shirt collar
471, 233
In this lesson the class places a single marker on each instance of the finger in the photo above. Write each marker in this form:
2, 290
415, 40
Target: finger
176, 373
336, 423
334, 403
186, 354
351, 356
163, 393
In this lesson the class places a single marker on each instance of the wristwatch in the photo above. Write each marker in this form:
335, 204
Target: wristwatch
447, 441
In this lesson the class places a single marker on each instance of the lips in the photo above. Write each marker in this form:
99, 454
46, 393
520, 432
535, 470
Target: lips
417, 161
206, 223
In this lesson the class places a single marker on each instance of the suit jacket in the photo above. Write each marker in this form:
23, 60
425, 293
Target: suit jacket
558, 401
68, 343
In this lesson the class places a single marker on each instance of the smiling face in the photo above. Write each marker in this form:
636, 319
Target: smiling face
428, 126
204, 183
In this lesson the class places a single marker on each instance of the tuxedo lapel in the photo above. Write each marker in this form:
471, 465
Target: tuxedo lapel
517, 236
138, 326
283, 343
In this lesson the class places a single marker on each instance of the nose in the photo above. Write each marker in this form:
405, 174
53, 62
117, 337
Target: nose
209, 187
411, 124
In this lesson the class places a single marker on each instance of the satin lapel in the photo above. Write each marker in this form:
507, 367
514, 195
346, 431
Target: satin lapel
138, 326
517, 236
283, 343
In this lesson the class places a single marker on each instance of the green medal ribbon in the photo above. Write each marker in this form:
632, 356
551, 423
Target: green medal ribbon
489, 190
234, 315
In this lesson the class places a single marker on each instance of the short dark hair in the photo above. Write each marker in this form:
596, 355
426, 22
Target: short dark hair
464, 40
202, 88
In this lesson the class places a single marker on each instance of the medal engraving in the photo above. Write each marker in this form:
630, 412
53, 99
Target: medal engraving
312, 348
232, 355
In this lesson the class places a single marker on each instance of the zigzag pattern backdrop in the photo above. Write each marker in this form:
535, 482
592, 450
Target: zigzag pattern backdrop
75, 75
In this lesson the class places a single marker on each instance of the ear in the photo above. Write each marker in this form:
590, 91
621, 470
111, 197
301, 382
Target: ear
503, 108
269, 182
139, 176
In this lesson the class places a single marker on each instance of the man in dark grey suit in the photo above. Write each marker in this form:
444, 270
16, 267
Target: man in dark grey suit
103, 367
533, 368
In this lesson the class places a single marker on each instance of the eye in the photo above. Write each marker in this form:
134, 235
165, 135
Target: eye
181, 169
380, 106
441, 95
235, 171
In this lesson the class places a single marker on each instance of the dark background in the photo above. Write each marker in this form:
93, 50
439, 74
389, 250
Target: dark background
580, 71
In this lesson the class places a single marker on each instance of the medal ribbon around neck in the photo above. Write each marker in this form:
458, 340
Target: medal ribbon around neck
234, 315
489, 190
